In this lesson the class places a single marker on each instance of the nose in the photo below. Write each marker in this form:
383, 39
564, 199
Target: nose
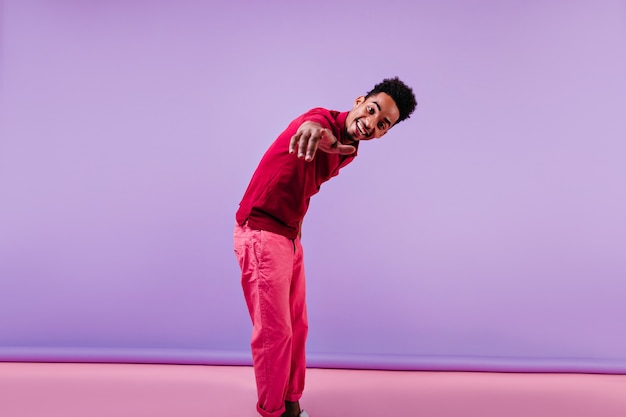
376, 121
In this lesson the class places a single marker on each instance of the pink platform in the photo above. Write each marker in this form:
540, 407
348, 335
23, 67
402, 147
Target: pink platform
126, 390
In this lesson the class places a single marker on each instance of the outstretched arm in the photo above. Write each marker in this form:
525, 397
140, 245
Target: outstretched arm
311, 136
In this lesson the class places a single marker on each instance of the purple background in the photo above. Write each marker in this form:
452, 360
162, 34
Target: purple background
487, 232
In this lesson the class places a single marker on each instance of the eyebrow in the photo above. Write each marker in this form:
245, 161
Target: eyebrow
386, 119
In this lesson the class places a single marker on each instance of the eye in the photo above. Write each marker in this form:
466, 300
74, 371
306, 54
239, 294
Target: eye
381, 125
370, 110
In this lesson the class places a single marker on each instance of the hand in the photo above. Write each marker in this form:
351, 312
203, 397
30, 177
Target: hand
311, 136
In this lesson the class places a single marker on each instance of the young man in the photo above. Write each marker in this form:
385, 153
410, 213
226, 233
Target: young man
309, 152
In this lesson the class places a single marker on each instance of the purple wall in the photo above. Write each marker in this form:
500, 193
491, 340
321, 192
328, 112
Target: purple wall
488, 232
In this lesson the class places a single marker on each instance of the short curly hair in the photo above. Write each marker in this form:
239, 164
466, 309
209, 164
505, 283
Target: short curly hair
401, 93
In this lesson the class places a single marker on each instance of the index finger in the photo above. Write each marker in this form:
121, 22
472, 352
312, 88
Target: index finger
311, 148
307, 142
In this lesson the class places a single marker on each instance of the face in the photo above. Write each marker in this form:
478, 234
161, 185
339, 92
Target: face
372, 118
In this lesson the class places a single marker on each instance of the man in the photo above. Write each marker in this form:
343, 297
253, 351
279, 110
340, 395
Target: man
267, 234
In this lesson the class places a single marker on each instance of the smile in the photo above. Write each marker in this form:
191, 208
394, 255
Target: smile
362, 130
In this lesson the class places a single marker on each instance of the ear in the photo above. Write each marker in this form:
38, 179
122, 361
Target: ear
359, 100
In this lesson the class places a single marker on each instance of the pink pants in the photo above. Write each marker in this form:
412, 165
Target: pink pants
272, 277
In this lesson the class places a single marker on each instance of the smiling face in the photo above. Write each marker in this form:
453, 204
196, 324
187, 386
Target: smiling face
371, 118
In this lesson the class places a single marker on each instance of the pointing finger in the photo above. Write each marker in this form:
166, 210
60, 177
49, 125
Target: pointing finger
311, 148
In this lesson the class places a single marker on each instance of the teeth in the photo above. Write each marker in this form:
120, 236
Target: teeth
361, 128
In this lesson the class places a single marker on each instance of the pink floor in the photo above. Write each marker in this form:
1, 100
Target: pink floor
118, 390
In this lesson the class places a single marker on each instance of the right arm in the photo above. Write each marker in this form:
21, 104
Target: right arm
312, 136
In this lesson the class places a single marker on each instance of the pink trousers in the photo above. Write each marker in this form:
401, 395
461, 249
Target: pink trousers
272, 277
